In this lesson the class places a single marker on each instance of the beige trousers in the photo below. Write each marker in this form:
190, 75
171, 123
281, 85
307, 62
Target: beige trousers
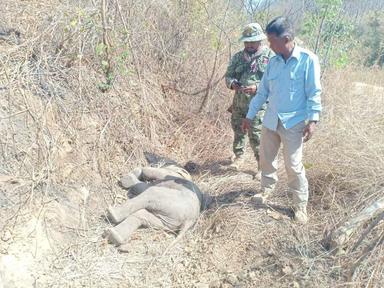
292, 140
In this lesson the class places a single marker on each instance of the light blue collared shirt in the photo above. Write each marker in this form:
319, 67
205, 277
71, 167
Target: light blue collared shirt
292, 89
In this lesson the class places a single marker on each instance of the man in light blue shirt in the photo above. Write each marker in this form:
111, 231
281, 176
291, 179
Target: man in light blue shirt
291, 87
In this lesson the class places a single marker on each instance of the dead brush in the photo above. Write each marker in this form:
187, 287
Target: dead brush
61, 130
348, 175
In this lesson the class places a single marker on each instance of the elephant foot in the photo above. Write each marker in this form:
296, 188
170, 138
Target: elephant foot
113, 237
129, 180
113, 216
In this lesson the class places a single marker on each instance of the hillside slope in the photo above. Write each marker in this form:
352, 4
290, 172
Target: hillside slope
68, 134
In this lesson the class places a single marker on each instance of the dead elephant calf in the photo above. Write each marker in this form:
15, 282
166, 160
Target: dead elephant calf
166, 198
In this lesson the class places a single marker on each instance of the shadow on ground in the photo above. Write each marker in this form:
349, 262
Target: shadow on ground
238, 198
223, 167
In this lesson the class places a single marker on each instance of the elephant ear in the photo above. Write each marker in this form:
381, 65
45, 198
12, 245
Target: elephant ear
207, 202
191, 167
157, 160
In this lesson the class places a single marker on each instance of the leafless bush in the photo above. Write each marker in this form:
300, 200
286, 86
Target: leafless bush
90, 85
347, 173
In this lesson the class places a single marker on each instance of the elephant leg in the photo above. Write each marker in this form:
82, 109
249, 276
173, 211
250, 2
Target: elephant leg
119, 213
131, 179
121, 233
152, 173
149, 220
138, 189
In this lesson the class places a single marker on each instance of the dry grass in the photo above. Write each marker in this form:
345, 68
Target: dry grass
347, 173
64, 144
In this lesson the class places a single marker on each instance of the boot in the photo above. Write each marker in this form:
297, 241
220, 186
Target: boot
262, 197
258, 173
301, 215
237, 161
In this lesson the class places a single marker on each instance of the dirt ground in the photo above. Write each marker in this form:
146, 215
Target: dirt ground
236, 243
67, 135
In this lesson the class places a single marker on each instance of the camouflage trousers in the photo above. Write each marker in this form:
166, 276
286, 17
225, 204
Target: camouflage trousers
253, 133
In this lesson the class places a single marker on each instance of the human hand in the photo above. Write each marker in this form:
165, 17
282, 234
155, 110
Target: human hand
236, 85
251, 90
245, 125
308, 131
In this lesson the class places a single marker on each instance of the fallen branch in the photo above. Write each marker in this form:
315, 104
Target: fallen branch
337, 240
369, 229
375, 243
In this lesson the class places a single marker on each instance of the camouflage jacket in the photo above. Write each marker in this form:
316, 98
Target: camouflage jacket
247, 72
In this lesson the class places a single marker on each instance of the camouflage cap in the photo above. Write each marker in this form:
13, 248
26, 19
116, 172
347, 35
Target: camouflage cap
252, 32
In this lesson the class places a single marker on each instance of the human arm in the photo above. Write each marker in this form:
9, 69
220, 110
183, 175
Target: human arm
260, 97
256, 102
231, 80
250, 90
313, 89
312, 92
309, 129
262, 64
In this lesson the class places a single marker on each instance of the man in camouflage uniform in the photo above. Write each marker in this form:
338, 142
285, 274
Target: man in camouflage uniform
243, 74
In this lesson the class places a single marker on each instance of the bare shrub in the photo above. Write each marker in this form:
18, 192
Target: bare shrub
85, 90
347, 159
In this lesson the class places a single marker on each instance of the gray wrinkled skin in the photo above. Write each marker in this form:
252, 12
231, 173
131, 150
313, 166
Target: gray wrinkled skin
165, 198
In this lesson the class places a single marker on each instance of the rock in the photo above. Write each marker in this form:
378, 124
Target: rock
270, 252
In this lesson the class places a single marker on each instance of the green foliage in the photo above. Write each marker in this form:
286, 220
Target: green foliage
80, 21
342, 60
373, 40
336, 36
88, 23
328, 33
107, 84
215, 41
99, 50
